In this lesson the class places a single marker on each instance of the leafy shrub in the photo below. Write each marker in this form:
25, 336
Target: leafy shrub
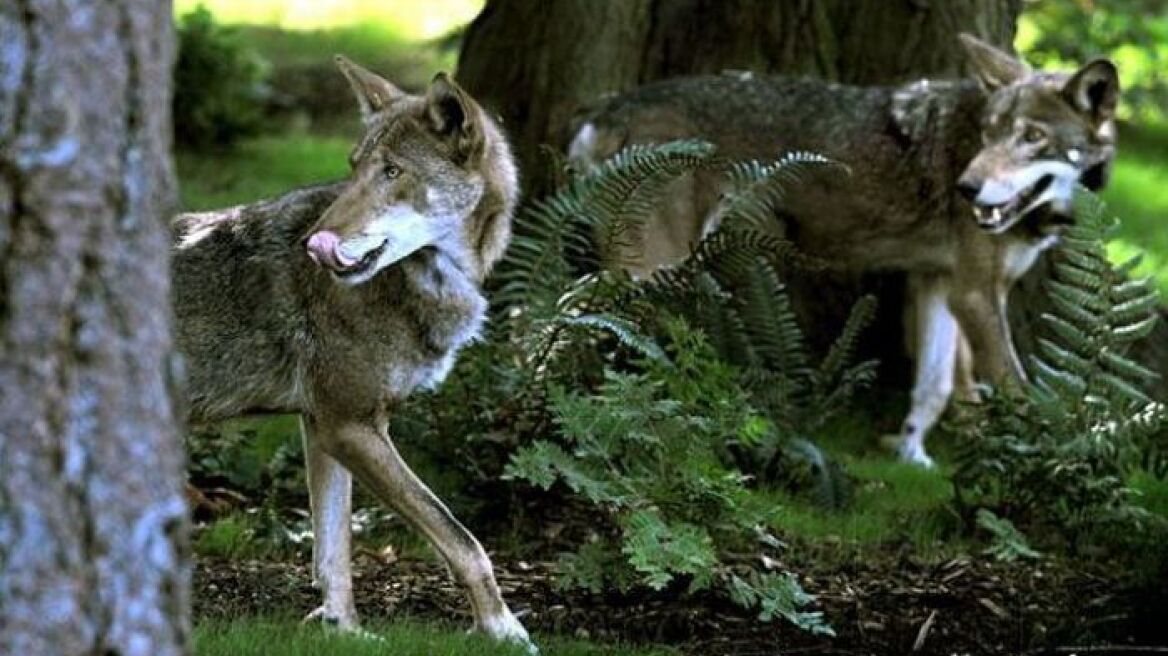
231, 537
648, 447
219, 84
643, 401
1055, 459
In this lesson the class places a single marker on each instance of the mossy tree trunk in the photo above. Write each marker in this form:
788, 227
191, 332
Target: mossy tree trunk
93, 528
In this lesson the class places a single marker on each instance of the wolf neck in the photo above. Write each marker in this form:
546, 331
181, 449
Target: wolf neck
439, 292
941, 119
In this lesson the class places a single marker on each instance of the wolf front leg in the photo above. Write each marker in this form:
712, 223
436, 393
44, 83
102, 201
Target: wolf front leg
330, 492
983, 318
937, 337
366, 450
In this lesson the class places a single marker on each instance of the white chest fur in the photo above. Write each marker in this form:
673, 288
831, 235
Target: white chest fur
1020, 255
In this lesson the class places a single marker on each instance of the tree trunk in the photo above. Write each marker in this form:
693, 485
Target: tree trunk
93, 529
538, 62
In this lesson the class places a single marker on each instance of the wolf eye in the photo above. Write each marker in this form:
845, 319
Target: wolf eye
392, 171
1033, 135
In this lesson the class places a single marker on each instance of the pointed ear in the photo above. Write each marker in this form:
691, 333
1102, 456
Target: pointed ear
454, 115
373, 92
1094, 90
994, 68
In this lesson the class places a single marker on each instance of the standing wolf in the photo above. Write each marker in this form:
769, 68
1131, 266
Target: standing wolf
336, 301
961, 184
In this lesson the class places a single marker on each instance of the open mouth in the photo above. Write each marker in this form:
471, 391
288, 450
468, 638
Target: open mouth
1029, 203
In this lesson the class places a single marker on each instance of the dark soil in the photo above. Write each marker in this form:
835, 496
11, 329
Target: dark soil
899, 606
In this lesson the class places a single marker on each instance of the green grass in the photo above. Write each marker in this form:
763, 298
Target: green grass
1153, 492
1138, 195
260, 168
287, 637
895, 503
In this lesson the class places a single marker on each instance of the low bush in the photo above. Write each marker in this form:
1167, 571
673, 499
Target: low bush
1056, 458
219, 84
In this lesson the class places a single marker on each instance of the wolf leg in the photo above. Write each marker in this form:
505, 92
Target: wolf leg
367, 451
330, 490
937, 335
982, 314
965, 377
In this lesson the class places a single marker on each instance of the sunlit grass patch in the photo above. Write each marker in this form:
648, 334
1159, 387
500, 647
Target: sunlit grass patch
1153, 491
1138, 195
894, 503
409, 18
260, 168
287, 637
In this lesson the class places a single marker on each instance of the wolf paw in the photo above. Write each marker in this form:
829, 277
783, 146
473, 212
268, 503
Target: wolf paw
908, 452
506, 628
331, 618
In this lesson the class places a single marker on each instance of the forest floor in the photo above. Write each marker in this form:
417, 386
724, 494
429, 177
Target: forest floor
895, 604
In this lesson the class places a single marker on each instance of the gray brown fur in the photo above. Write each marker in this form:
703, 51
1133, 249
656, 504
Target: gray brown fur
911, 151
264, 328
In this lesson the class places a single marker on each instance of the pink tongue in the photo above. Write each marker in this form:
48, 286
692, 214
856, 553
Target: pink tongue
324, 246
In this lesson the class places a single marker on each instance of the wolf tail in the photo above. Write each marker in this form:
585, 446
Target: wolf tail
591, 144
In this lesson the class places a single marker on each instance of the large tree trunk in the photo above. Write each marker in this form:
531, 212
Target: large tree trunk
538, 63
93, 529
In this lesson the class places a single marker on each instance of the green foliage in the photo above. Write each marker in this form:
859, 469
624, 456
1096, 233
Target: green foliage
232, 537
1134, 33
630, 399
288, 636
1055, 460
777, 595
647, 448
219, 84
1008, 542
259, 168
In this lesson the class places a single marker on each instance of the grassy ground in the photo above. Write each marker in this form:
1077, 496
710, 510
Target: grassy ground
287, 637
260, 168
1138, 194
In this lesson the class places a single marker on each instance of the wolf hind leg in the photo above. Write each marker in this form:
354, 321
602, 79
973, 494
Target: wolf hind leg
330, 490
936, 340
366, 450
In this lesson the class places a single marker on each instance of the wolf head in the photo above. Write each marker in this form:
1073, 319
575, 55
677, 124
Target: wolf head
430, 171
1042, 134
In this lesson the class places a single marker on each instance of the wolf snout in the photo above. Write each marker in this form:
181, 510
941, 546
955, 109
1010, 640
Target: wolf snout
968, 188
324, 249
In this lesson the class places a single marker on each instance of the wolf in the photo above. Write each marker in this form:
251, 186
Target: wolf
961, 184
336, 301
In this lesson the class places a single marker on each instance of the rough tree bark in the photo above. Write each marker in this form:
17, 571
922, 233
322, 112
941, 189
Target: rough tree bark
93, 544
537, 63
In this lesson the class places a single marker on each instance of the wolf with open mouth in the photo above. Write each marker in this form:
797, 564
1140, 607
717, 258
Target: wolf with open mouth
959, 183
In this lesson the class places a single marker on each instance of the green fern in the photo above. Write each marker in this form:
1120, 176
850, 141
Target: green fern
1098, 311
1054, 460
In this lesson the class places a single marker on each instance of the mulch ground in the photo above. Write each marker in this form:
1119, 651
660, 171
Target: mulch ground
900, 606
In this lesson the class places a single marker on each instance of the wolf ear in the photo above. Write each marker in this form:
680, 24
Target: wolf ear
1094, 90
453, 114
993, 67
373, 92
